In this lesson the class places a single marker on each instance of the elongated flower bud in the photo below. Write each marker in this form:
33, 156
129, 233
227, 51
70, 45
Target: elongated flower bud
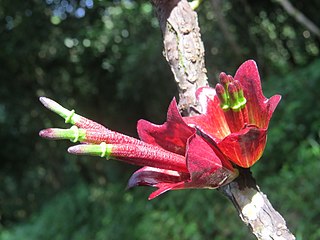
230, 93
74, 134
147, 155
70, 116
224, 79
241, 99
223, 97
233, 97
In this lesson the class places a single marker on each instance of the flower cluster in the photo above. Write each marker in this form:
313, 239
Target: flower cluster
185, 152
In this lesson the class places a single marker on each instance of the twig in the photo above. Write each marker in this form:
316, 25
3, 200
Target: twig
185, 54
183, 49
299, 17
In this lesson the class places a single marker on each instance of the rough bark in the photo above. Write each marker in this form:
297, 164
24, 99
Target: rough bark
184, 52
183, 49
255, 209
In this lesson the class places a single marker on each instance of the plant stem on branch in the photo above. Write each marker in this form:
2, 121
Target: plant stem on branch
184, 51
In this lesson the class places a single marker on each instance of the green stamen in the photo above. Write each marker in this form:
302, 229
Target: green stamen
234, 97
223, 97
242, 100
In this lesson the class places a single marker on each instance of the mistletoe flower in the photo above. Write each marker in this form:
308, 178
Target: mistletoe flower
173, 155
236, 115
184, 152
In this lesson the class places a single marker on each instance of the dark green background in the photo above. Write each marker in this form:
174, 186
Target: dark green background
105, 60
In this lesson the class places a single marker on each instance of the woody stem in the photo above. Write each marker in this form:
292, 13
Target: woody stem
179, 25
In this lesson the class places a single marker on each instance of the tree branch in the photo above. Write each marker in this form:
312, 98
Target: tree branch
299, 17
183, 49
255, 209
184, 52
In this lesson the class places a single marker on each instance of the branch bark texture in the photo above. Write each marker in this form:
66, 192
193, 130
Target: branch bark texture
184, 51
255, 209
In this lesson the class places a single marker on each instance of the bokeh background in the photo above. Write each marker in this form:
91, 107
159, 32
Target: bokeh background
104, 59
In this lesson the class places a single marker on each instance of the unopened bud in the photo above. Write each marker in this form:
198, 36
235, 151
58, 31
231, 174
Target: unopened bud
233, 97
101, 150
223, 79
241, 99
74, 134
58, 109
223, 97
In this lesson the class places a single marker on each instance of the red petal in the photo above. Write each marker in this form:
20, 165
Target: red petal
164, 187
260, 109
164, 180
212, 121
150, 176
207, 170
245, 147
172, 135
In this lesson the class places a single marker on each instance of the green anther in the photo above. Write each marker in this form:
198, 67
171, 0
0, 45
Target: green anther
234, 101
234, 98
241, 99
224, 107
236, 107
69, 117
106, 150
238, 101
224, 102
223, 97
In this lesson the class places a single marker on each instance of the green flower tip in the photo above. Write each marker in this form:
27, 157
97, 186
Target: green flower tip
233, 97
223, 96
74, 134
101, 150
53, 106
230, 93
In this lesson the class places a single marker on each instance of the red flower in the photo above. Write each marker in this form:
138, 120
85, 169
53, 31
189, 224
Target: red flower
173, 155
185, 152
207, 166
236, 115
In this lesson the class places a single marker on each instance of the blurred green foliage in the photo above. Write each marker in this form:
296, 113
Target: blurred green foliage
104, 58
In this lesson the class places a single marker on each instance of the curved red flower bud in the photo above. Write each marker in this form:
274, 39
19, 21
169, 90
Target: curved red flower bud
141, 155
